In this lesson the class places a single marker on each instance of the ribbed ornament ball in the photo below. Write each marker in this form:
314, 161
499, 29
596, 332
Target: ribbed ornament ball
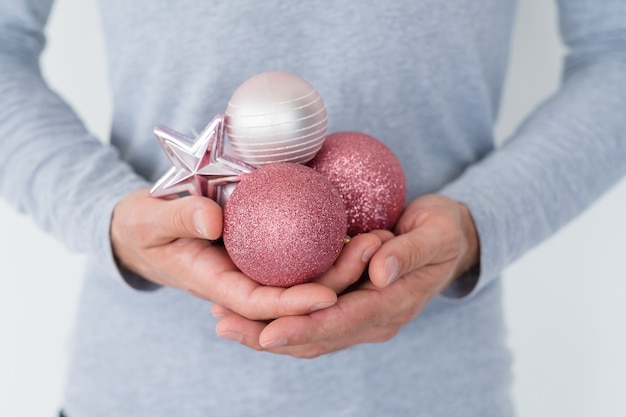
276, 117
284, 224
368, 176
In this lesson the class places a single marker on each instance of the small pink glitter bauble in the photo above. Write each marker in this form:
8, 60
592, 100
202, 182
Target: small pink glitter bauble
284, 224
368, 176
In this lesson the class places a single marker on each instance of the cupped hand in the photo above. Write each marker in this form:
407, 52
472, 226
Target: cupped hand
169, 242
436, 242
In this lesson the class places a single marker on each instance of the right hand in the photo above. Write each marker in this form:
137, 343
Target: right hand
169, 242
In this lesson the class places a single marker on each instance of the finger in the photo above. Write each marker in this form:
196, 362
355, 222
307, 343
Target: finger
240, 330
247, 332
352, 261
212, 276
219, 311
154, 221
193, 217
266, 303
358, 310
404, 253
353, 323
207, 272
313, 350
383, 235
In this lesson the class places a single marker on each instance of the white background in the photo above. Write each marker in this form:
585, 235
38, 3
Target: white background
563, 300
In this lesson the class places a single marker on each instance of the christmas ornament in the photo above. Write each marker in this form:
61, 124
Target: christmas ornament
284, 224
275, 117
272, 117
368, 176
199, 166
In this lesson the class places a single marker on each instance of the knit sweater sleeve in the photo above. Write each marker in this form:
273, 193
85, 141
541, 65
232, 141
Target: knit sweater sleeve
51, 167
563, 157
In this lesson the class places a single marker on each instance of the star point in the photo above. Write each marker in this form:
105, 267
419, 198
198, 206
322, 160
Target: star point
199, 165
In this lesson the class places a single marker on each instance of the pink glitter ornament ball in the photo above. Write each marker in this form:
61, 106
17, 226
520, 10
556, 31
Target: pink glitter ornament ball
284, 224
368, 176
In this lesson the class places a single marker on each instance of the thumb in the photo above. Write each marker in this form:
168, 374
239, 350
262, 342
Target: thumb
191, 217
401, 255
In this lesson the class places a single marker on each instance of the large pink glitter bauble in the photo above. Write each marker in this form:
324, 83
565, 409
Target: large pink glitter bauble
284, 224
368, 176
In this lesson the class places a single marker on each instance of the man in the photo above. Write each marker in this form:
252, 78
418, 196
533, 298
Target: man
425, 78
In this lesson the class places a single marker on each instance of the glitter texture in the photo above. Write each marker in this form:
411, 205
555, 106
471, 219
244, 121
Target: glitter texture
276, 117
368, 176
284, 224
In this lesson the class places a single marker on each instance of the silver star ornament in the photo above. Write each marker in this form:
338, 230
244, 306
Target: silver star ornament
200, 166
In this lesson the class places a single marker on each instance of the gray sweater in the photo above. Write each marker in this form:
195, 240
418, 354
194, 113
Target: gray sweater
423, 76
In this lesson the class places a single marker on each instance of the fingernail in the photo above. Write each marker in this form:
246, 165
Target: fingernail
234, 336
369, 252
392, 267
200, 223
321, 306
274, 343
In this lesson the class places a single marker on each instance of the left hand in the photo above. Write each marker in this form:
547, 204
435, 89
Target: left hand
436, 243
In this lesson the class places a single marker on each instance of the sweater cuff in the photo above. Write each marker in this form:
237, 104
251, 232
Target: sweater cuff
490, 238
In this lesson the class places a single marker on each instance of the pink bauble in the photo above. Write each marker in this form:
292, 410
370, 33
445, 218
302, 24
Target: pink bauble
368, 176
284, 224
